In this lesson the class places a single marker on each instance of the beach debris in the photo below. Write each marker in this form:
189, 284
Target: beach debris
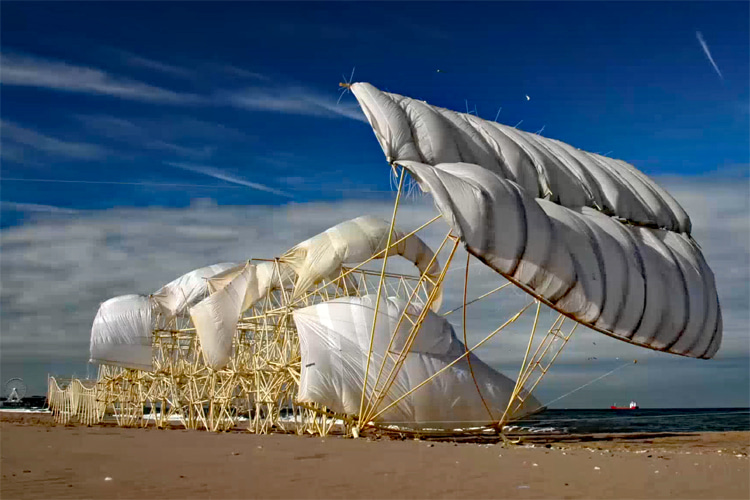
596, 468
656, 472
108, 478
260, 447
500, 456
431, 445
535, 465
26, 471
528, 98
524, 487
235, 453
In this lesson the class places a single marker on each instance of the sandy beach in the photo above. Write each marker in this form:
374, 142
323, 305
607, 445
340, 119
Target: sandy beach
42, 460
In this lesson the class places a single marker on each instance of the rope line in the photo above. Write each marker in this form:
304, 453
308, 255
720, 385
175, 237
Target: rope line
589, 383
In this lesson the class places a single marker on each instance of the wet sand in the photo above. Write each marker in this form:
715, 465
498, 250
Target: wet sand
39, 459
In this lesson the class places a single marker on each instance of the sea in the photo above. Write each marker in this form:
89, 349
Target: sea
636, 421
562, 421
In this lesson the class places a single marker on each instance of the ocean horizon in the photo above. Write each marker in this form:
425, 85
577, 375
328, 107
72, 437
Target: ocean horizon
599, 420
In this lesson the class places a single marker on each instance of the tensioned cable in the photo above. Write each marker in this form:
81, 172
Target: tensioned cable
589, 383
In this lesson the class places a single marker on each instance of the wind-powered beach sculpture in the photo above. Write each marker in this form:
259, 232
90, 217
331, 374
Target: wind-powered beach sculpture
315, 335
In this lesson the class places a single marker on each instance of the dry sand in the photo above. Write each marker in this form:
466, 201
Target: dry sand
41, 460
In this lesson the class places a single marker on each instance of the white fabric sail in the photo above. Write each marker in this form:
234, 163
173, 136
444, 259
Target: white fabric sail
232, 292
334, 342
121, 333
353, 242
590, 236
266, 277
178, 295
215, 318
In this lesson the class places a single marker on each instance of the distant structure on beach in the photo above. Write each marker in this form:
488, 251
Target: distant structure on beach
15, 396
328, 335
632, 406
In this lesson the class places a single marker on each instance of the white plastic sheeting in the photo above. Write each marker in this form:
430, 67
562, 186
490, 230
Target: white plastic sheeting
591, 236
187, 290
265, 277
353, 242
215, 318
121, 333
334, 340
232, 293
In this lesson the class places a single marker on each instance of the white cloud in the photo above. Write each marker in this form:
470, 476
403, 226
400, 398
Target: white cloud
239, 72
706, 51
29, 71
34, 207
32, 71
219, 174
20, 139
144, 62
57, 269
293, 100
168, 134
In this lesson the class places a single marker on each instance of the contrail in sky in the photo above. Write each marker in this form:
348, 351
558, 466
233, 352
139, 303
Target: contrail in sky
218, 174
708, 53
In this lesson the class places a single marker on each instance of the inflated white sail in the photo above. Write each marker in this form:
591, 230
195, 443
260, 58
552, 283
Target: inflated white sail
590, 236
334, 341
178, 295
353, 242
121, 333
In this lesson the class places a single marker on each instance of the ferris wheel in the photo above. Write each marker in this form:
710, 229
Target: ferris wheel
15, 390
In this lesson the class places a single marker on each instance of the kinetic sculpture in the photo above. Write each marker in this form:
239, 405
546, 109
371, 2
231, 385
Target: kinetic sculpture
316, 337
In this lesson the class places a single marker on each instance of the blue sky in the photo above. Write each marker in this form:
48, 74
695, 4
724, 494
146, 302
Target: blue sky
249, 90
141, 108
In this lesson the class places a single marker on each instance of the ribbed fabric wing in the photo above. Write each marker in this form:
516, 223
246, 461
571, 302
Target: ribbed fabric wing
591, 236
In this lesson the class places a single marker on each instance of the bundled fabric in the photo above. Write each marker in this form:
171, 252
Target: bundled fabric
177, 296
215, 318
233, 292
121, 333
590, 236
352, 242
265, 277
334, 341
